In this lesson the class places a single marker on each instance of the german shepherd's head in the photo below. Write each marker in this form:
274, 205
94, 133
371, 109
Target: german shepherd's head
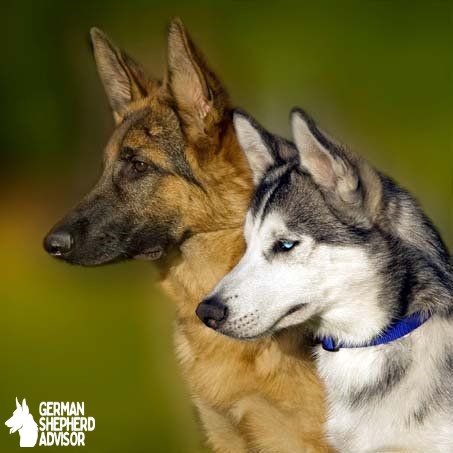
172, 167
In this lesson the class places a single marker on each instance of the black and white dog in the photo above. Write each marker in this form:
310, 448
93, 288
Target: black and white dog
332, 241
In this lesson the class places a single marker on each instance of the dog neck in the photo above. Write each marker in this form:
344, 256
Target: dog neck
205, 257
216, 243
368, 308
352, 323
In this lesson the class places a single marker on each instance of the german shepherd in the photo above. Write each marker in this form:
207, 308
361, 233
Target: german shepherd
175, 189
333, 242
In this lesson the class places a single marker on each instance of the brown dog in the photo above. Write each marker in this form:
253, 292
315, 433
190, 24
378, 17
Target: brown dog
175, 188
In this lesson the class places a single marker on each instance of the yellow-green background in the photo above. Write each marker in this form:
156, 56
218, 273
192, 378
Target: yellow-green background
376, 74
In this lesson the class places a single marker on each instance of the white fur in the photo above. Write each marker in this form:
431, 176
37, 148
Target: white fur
316, 276
339, 286
383, 425
23, 422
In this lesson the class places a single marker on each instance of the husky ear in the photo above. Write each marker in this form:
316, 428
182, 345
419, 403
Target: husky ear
25, 408
200, 98
18, 406
256, 144
328, 164
351, 186
124, 80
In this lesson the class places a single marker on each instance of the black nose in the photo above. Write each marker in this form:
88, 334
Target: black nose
212, 312
58, 242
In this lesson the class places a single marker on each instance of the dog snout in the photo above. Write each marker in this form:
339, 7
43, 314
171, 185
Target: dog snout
59, 242
212, 312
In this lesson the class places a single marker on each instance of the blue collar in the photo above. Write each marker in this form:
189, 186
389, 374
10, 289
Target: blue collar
397, 329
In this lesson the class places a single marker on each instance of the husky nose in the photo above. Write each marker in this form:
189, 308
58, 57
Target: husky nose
58, 242
212, 312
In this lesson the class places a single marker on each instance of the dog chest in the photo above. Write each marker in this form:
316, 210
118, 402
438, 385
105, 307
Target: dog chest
391, 396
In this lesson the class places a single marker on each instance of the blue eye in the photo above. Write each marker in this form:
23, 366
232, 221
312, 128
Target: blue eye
285, 245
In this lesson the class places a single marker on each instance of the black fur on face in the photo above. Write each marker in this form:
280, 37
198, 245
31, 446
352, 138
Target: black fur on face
104, 232
130, 214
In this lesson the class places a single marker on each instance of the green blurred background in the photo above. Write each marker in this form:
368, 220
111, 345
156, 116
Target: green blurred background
377, 75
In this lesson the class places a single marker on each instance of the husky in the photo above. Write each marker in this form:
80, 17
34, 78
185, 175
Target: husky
175, 190
23, 422
334, 244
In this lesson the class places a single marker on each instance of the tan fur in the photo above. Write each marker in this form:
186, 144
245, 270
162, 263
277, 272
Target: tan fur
261, 396
265, 392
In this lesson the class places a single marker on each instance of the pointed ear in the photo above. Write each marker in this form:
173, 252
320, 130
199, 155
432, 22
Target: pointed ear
25, 409
18, 406
199, 95
256, 144
327, 163
124, 80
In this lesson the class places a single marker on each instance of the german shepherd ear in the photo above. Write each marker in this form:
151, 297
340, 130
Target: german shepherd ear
18, 406
123, 79
256, 143
200, 98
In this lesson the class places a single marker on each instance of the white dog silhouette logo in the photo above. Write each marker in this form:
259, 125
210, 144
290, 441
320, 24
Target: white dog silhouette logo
23, 422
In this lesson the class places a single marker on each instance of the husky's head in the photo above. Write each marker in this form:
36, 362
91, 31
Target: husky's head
324, 240
19, 418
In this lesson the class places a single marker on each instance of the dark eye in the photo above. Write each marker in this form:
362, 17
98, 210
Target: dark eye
285, 245
139, 166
